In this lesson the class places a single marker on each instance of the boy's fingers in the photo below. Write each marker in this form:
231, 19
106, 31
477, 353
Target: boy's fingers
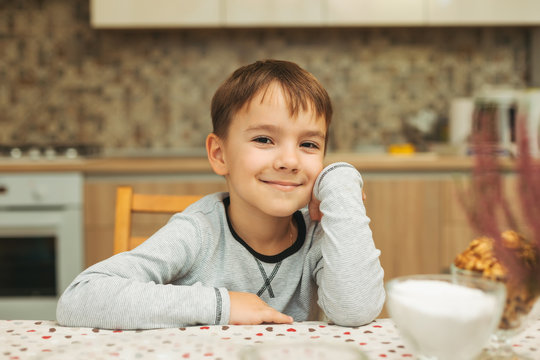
314, 211
276, 317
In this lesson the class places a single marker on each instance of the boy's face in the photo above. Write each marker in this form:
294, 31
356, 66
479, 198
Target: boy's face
271, 160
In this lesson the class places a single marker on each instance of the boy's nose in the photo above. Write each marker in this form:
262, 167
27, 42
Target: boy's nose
287, 159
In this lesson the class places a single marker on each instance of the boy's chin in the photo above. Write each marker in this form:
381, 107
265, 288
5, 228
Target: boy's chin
285, 211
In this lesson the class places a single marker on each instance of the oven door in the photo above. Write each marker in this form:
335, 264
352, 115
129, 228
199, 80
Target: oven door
40, 254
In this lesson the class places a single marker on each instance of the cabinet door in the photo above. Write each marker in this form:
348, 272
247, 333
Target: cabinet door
99, 210
273, 12
405, 220
483, 12
374, 12
156, 14
456, 232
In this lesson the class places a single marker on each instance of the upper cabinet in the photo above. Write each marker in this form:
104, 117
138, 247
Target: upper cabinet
374, 12
483, 12
273, 13
155, 14
311, 13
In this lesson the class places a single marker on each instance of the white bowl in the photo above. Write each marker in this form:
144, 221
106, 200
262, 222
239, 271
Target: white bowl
445, 317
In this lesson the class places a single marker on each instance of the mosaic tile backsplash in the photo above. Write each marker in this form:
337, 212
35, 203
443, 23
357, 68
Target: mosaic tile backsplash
62, 81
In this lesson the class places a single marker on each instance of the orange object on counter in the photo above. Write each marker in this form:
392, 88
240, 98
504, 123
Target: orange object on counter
401, 149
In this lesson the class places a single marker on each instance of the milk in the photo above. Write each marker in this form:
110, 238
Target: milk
443, 320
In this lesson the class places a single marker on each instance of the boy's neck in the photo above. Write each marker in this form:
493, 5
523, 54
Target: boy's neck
267, 235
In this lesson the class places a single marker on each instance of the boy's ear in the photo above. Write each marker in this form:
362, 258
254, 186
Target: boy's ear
214, 150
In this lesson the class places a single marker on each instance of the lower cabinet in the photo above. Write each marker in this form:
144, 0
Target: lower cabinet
417, 220
99, 208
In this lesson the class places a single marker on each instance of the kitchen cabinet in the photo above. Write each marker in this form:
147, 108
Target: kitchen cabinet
99, 206
405, 219
311, 13
370, 12
273, 13
152, 14
416, 218
418, 222
483, 12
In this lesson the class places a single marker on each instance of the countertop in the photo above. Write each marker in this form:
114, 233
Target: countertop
199, 165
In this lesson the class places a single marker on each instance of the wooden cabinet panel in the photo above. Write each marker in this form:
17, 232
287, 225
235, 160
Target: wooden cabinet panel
98, 243
100, 197
418, 222
455, 232
405, 224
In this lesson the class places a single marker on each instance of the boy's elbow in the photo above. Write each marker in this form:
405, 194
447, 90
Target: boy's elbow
359, 318
358, 313
70, 307
64, 312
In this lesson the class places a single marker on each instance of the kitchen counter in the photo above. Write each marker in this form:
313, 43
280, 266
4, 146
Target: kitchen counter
199, 165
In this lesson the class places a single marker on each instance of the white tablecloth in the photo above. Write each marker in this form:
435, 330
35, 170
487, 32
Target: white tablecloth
33, 339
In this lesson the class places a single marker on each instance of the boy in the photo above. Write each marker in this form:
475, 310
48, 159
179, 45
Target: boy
257, 253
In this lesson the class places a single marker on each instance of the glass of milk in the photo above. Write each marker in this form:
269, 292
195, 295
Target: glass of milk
445, 317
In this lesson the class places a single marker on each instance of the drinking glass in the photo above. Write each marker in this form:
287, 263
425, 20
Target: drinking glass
444, 316
516, 317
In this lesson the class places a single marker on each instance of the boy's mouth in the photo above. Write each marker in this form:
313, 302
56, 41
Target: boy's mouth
282, 185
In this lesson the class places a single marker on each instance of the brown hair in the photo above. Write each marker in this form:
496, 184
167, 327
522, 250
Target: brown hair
301, 89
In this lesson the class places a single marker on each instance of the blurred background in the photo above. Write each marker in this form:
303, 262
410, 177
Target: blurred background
131, 83
100, 93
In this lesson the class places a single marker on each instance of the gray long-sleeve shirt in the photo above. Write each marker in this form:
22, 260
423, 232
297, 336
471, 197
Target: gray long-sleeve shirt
182, 274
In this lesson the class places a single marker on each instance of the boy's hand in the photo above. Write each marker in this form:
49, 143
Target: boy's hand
249, 309
315, 213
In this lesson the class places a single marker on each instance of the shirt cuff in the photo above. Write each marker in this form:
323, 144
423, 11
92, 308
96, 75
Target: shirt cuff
338, 171
223, 306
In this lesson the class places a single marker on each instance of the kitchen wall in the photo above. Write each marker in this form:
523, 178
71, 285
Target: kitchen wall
62, 81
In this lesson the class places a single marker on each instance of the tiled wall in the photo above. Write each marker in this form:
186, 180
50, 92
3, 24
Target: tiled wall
62, 81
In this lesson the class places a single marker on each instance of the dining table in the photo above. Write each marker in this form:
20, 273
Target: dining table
380, 339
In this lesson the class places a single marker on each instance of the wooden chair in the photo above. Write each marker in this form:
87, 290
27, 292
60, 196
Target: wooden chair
128, 203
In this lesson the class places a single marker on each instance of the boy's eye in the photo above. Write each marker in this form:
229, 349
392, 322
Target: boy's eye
263, 140
310, 145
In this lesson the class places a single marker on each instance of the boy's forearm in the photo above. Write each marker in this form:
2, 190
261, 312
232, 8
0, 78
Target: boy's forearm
116, 303
350, 279
127, 291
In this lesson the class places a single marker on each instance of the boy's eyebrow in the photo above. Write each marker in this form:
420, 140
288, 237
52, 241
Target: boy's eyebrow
272, 128
314, 133
265, 127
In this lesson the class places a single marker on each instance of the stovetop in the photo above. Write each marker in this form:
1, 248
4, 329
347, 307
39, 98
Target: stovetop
49, 151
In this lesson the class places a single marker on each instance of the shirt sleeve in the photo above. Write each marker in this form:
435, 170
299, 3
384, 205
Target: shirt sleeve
349, 274
134, 290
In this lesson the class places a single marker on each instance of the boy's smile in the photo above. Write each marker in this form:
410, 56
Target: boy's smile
270, 158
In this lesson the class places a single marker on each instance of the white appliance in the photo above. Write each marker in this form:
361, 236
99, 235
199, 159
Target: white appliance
500, 110
495, 113
529, 107
41, 241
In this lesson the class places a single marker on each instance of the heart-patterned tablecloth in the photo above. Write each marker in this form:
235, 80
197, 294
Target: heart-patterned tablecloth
28, 339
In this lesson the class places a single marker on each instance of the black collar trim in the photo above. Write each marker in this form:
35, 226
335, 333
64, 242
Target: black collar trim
300, 223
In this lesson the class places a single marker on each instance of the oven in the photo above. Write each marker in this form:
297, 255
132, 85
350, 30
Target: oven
41, 241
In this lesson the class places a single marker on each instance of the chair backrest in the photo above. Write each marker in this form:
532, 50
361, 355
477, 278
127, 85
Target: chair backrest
128, 203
